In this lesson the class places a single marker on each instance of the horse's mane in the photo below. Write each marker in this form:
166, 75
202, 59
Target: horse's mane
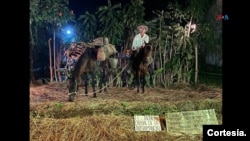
143, 52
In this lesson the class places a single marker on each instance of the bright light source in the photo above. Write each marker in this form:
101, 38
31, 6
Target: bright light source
193, 28
68, 32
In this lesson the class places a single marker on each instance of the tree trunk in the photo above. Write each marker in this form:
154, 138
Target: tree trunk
32, 77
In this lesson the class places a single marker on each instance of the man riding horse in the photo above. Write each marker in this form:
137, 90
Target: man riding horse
139, 41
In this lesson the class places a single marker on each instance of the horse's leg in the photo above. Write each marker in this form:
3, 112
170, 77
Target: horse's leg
93, 82
73, 88
151, 72
101, 82
85, 77
143, 80
134, 80
106, 78
124, 79
138, 81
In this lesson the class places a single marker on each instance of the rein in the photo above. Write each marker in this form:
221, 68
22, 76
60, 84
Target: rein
110, 81
75, 92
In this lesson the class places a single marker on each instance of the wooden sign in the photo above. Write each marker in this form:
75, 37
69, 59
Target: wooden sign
147, 123
190, 122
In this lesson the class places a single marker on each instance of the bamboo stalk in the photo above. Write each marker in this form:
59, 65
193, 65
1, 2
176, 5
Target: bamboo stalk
196, 64
164, 61
160, 55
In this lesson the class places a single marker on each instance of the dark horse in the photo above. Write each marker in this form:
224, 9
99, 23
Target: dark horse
139, 65
85, 65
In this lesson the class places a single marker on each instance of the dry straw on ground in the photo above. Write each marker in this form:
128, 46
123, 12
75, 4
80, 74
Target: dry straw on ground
110, 116
96, 128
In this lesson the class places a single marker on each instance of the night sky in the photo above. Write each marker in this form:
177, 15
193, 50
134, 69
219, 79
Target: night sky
80, 6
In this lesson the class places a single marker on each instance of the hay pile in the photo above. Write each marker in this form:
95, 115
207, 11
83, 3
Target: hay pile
110, 116
96, 128
60, 110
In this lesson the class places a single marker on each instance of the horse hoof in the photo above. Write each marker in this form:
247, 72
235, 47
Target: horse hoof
71, 98
131, 88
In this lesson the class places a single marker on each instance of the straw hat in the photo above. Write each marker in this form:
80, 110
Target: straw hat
142, 26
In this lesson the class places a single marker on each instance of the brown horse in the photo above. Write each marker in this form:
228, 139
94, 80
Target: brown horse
82, 60
86, 64
139, 65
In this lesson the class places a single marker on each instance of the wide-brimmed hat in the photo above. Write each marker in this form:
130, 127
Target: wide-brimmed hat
142, 26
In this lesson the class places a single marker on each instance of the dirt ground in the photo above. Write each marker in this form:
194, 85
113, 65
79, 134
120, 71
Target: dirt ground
58, 93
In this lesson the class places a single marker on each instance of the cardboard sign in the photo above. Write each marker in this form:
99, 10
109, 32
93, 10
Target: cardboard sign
190, 122
147, 123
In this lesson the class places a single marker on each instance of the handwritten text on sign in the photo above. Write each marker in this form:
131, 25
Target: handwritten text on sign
190, 122
147, 123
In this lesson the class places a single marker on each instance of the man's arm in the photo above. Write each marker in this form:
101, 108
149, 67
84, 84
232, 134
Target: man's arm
146, 39
135, 43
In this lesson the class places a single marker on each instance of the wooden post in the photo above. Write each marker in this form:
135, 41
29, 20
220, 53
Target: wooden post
54, 51
50, 61
58, 64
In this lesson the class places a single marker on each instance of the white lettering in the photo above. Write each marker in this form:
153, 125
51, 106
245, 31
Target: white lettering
242, 133
211, 132
216, 133
229, 133
222, 133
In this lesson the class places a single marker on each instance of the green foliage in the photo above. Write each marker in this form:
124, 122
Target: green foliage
211, 75
44, 15
48, 11
109, 18
197, 8
87, 26
151, 109
58, 106
124, 104
168, 30
205, 36
174, 39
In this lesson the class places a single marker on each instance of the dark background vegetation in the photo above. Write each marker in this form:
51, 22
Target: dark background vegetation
45, 18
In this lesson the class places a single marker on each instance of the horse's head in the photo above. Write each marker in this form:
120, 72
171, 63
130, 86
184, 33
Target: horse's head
148, 48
